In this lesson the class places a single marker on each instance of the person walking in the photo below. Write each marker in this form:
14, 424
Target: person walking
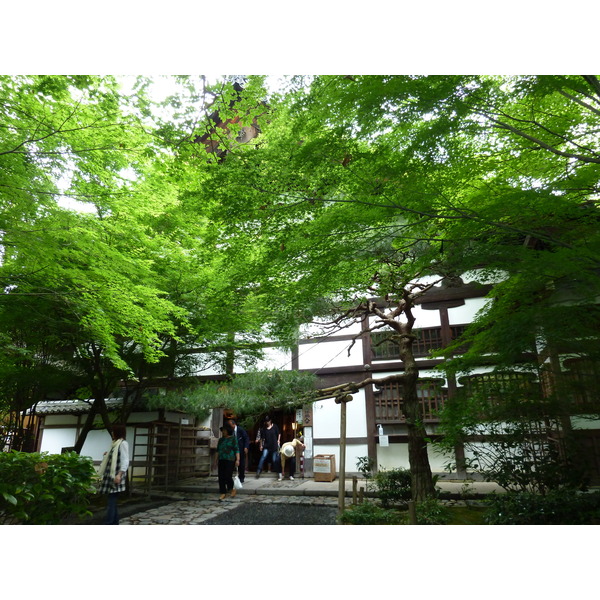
113, 472
269, 440
288, 451
229, 458
243, 444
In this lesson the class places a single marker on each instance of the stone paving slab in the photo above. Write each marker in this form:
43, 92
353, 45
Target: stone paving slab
198, 510
195, 501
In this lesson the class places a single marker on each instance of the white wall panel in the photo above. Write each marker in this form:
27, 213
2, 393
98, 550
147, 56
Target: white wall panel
460, 315
275, 358
327, 414
317, 329
395, 456
54, 440
353, 451
98, 442
426, 318
330, 354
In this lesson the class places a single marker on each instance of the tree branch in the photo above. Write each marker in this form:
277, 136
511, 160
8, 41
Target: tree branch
540, 143
580, 102
351, 387
593, 82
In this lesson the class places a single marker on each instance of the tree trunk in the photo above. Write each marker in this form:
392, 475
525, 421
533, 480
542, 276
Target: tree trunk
98, 407
420, 470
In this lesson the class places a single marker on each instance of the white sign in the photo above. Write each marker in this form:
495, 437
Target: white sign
384, 440
321, 466
308, 442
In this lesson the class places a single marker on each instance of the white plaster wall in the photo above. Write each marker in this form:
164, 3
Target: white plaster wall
460, 315
395, 456
422, 373
54, 440
330, 354
423, 318
316, 330
275, 358
98, 442
426, 318
353, 451
326, 418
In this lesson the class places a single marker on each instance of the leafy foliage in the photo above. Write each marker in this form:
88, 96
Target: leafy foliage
369, 513
429, 512
432, 512
557, 507
109, 268
507, 429
365, 465
43, 489
393, 486
250, 394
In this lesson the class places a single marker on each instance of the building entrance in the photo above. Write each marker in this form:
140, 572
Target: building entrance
286, 423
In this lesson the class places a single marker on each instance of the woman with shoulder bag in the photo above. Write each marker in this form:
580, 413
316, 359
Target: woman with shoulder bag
229, 458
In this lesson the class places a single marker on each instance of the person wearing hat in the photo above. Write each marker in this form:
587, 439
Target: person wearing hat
229, 458
288, 451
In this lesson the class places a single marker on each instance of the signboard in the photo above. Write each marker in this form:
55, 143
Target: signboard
308, 442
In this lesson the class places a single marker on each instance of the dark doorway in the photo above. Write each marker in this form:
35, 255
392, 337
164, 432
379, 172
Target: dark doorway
285, 421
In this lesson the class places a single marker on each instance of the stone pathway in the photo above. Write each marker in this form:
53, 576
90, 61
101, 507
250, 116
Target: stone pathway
201, 507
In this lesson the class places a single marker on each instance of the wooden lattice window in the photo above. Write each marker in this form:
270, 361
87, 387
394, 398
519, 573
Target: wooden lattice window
497, 381
582, 383
500, 389
428, 338
388, 400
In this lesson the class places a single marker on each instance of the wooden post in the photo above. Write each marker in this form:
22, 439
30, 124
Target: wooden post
354, 487
343, 400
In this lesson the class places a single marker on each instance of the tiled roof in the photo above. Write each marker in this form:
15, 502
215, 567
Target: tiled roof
72, 407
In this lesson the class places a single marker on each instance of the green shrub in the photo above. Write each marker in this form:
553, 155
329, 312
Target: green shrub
365, 465
557, 507
43, 489
432, 512
369, 513
393, 486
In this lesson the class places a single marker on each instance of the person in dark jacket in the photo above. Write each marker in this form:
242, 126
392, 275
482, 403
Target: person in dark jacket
269, 440
243, 444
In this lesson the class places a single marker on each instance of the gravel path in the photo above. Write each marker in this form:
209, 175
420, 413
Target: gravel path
256, 513
243, 510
